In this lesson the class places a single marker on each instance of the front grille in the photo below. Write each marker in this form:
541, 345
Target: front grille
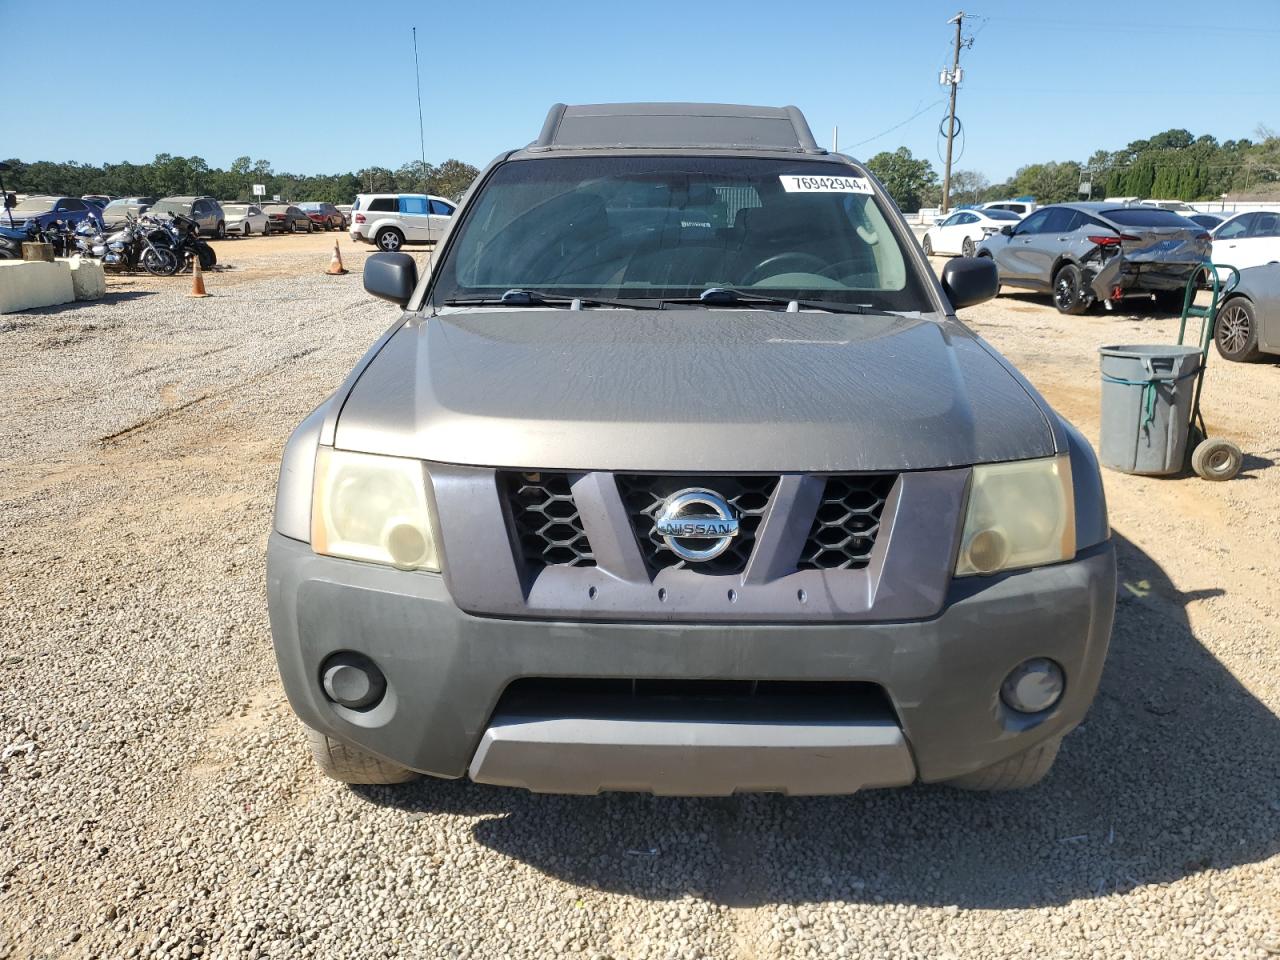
548, 528
643, 495
848, 519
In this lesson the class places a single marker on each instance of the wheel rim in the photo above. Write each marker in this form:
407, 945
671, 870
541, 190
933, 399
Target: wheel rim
967, 248
928, 247
390, 241
1233, 329
1064, 292
1219, 460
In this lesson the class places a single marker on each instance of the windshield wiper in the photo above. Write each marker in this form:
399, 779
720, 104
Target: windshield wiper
727, 296
527, 298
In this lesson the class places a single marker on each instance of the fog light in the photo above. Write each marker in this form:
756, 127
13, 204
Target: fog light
1032, 686
352, 681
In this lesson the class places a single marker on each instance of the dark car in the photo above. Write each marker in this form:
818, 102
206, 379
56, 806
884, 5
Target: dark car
205, 211
1085, 252
286, 218
324, 215
119, 210
1206, 220
45, 210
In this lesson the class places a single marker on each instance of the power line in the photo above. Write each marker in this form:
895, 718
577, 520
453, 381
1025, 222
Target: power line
903, 123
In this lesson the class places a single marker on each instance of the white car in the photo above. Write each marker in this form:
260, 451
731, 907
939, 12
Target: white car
245, 219
1246, 240
961, 232
390, 220
1022, 208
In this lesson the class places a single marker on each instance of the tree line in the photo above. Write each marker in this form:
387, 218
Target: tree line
168, 176
1173, 165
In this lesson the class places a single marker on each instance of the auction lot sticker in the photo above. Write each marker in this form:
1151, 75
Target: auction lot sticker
792, 183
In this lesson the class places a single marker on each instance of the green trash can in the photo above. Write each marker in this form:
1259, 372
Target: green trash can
1146, 407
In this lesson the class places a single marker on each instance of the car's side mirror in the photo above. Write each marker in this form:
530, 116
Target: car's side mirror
391, 276
1007, 229
970, 280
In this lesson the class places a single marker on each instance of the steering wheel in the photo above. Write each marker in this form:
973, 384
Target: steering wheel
795, 261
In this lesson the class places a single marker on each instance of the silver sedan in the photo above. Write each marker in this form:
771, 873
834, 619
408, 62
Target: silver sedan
1248, 323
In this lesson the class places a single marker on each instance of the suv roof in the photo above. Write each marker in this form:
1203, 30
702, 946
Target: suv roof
717, 126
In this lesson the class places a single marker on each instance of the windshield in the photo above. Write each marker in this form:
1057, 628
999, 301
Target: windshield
1001, 215
237, 208
310, 207
170, 206
1147, 217
36, 205
670, 228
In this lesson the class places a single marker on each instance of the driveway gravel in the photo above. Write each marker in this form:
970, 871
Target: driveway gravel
156, 799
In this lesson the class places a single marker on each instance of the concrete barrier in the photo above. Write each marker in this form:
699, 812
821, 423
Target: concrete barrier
25, 285
87, 278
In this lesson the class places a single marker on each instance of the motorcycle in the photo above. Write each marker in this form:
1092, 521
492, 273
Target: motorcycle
29, 231
138, 243
187, 242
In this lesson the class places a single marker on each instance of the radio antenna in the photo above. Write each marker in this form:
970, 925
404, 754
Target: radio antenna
422, 139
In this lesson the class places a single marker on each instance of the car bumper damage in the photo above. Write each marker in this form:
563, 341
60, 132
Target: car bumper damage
685, 708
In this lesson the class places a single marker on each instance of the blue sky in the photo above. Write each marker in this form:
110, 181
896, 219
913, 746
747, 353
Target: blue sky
320, 87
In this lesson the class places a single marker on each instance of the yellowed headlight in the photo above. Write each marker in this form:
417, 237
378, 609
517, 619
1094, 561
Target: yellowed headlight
373, 508
1020, 514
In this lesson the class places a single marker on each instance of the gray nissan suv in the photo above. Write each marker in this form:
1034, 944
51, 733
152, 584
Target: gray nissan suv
679, 474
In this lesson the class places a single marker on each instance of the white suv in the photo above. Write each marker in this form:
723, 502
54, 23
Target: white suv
391, 220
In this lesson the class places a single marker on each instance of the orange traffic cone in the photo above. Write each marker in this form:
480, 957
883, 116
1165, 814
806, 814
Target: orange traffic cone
336, 269
197, 279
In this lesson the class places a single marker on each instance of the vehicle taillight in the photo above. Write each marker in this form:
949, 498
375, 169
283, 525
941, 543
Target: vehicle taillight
359, 218
1105, 241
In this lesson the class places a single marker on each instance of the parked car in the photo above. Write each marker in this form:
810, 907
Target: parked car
324, 215
390, 220
1247, 240
287, 218
245, 219
1177, 206
44, 210
655, 504
99, 200
115, 213
1248, 323
960, 233
205, 211
1021, 207
1082, 253
1207, 220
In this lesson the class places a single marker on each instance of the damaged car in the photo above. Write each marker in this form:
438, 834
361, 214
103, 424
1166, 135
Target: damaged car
1083, 253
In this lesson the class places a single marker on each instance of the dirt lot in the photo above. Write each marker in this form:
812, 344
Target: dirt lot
155, 799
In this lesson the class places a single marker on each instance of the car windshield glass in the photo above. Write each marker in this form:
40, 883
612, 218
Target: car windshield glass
170, 206
672, 227
1001, 214
314, 207
120, 204
35, 205
1146, 217
237, 208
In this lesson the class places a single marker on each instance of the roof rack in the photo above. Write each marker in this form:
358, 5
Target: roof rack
716, 126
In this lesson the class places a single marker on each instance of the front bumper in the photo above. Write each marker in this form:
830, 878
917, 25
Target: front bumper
447, 671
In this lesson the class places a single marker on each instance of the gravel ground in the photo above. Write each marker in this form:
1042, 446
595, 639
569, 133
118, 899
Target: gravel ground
156, 800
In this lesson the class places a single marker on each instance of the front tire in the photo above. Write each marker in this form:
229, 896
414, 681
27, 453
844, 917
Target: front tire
389, 239
967, 248
1068, 290
928, 246
1235, 332
220, 231
349, 764
1020, 771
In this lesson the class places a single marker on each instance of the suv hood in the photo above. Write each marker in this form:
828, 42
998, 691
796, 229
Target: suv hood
690, 390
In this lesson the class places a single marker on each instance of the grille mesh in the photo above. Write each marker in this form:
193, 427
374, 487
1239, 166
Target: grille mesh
548, 526
644, 496
848, 519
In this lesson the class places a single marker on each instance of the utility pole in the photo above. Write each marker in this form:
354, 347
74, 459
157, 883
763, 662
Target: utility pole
954, 79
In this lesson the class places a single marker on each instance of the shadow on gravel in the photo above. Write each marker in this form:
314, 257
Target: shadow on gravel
1177, 770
